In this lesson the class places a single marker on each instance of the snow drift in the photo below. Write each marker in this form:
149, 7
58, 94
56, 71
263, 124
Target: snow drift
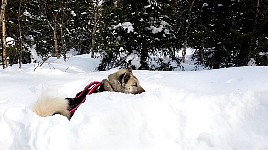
210, 109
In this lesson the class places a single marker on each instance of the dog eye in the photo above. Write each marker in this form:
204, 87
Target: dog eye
135, 84
56, 113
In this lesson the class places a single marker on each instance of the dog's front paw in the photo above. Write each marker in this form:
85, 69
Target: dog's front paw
106, 85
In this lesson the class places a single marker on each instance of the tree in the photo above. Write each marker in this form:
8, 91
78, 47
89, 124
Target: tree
260, 31
140, 27
223, 33
95, 21
227, 33
3, 21
20, 34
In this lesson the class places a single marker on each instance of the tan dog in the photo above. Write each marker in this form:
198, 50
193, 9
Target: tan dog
122, 81
48, 106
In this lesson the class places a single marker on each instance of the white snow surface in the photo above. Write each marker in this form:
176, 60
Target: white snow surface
224, 109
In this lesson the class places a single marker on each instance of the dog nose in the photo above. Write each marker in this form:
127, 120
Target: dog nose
140, 90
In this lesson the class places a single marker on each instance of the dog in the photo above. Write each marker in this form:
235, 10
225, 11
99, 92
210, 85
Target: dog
121, 81
49, 106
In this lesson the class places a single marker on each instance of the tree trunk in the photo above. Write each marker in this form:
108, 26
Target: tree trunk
20, 37
96, 16
174, 3
56, 41
93, 46
183, 52
3, 20
256, 15
4, 3
63, 41
63, 50
186, 32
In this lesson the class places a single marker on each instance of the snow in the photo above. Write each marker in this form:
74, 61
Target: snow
125, 25
73, 13
263, 53
205, 4
128, 26
252, 62
10, 41
134, 59
181, 110
26, 13
162, 25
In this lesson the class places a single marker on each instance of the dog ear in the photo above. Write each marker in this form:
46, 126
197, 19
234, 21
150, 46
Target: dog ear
127, 77
124, 77
129, 69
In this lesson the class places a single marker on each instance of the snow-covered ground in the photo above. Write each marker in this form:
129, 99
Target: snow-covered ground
225, 109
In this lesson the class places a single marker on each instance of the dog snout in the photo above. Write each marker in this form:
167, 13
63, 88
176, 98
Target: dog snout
134, 89
140, 90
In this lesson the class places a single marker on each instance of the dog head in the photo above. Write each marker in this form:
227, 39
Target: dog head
130, 83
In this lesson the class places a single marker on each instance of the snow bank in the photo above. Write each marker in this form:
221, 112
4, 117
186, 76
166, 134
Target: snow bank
211, 109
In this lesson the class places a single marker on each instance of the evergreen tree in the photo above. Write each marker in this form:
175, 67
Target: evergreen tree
261, 32
17, 50
226, 33
79, 27
140, 27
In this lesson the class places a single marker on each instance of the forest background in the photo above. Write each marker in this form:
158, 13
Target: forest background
222, 33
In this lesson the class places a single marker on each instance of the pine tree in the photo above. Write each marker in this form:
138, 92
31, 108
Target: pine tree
226, 33
17, 29
141, 27
40, 27
106, 38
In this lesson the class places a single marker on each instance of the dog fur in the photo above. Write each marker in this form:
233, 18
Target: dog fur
48, 106
121, 81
